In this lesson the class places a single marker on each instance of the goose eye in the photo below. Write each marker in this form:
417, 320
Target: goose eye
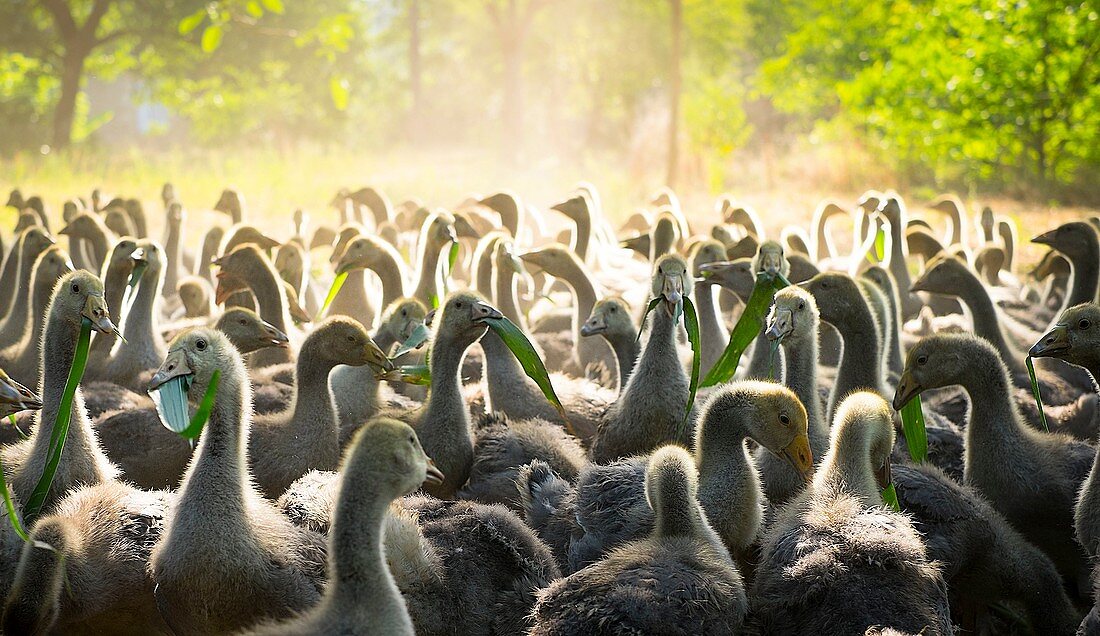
801, 304
412, 439
922, 360
242, 321
1084, 324
458, 304
404, 312
784, 419
76, 288
613, 309
200, 344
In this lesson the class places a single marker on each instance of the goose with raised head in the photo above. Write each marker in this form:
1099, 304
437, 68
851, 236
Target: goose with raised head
1079, 243
77, 297
247, 267
377, 255
677, 580
1029, 476
437, 233
211, 243
231, 203
607, 507
18, 267
116, 276
836, 561
116, 220
196, 296
385, 462
284, 446
953, 208
227, 558
712, 331
886, 284
352, 299
141, 349
96, 237
650, 409
23, 356
892, 209
611, 319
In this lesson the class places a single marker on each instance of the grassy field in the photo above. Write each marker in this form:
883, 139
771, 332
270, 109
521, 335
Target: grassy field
276, 182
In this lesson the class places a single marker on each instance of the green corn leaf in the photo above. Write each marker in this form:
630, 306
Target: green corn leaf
747, 327
650, 307
420, 374
517, 342
912, 427
34, 503
890, 498
9, 507
880, 243
416, 339
1035, 392
202, 414
691, 324
337, 283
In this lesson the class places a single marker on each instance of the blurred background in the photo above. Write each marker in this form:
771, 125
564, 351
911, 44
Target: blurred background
780, 103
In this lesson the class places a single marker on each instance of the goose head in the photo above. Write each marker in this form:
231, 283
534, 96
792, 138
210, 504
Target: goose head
793, 317
439, 231
70, 209
837, 295
118, 221
943, 275
936, 361
290, 262
770, 259
708, 251
15, 199
35, 241
361, 252
555, 259
862, 440
167, 193
119, 261
403, 316
51, 266
235, 269
78, 296
83, 225
507, 205
672, 281
575, 208
737, 276
194, 293
195, 355
921, 242
462, 318
1074, 239
15, 397
609, 316
343, 340
230, 203
665, 235
1073, 338
176, 215
248, 332
391, 453
243, 234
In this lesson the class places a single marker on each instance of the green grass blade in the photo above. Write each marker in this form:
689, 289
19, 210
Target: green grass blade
337, 283
420, 374
202, 414
746, 329
33, 506
517, 342
912, 427
880, 243
22, 435
416, 339
890, 498
9, 507
650, 307
1035, 392
691, 324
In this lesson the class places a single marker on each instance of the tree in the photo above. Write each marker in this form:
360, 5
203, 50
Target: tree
512, 22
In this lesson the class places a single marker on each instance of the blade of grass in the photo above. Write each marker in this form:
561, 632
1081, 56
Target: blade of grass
10, 507
202, 414
34, 503
747, 327
337, 283
517, 342
691, 324
416, 339
880, 243
650, 307
912, 427
1030, 364
11, 418
890, 498
420, 374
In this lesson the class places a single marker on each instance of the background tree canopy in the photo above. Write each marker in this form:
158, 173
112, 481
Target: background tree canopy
951, 93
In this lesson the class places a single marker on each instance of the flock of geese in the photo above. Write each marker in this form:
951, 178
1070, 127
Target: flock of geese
326, 495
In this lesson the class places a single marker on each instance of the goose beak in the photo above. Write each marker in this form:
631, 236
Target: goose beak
800, 456
297, 313
138, 255
175, 366
781, 326
1054, 343
95, 310
673, 291
1046, 238
450, 234
18, 397
349, 263
884, 475
228, 284
275, 337
920, 285
908, 388
532, 258
772, 263
595, 324
465, 229
433, 476
482, 311
377, 358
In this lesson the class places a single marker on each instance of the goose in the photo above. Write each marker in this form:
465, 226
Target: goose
610, 319
197, 297
116, 220
90, 228
677, 580
1079, 243
141, 349
352, 299
437, 232
23, 355
606, 507
893, 211
116, 276
385, 461
955, 211
836, 561
227, 558
30, 242
211, 242
15, 398
1029, 476
382, 258
231, 203
711, 330
886, 284
293, 264
650, 409
136, 213
247, 267
821, 240
284, 446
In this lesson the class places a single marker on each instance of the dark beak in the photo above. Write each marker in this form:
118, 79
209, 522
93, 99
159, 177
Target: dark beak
594, 325
908, 388
482, 311
175, 365
1046, 238
1054, 343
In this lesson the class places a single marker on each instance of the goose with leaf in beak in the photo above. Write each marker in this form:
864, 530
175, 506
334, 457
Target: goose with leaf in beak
15, 397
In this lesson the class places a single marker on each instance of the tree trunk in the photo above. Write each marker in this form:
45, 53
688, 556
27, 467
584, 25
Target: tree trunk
414, 66
674, 92
72, 71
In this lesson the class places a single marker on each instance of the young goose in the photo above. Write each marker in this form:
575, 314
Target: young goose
116, 220
210, 245
22, 356
197, 297
1029, 476
375, 254
284, 446
227, 558
116, 275
142, 348
678, 580
247, 267
437, 233
231, 203
78, 296
608, 507
711, 330
15, 397
293, 264
836, 561
32, 242
611, 319
1078, 242
886, 284
91, 229
893, 210
650, 410
136, 213
794, 322
385, 461
352, 299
